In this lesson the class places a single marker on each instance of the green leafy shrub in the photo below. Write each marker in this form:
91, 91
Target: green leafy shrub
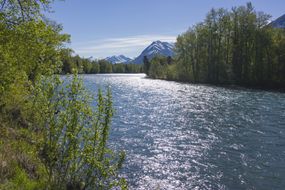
74, 141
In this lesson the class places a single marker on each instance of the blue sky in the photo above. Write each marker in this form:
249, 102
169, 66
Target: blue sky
101, 28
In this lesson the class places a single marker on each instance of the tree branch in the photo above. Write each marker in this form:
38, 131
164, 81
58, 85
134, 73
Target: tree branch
22, 9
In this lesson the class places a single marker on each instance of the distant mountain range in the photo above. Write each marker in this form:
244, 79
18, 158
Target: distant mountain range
154, 49
279, 22
118, 59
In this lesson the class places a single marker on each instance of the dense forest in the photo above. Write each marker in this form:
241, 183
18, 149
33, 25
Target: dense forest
50, 135
88, 66
228, 47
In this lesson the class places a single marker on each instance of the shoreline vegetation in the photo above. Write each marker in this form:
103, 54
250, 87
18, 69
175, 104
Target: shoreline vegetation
236, 47
88, 66
50, 135
227, 86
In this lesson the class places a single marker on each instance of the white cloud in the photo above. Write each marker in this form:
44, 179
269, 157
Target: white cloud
130, 46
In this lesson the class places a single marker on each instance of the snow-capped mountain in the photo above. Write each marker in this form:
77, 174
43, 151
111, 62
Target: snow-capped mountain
118, 59
155, 48
279, 22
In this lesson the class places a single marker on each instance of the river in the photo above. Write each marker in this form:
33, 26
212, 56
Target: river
187, 136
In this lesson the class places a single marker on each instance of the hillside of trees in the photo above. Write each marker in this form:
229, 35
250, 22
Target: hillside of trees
234, 46
50, 135
88, 66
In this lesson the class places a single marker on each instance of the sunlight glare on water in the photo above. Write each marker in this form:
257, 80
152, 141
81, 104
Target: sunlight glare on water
184, 136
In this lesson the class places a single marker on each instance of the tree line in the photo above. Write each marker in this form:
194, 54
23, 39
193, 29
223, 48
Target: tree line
89, 66
50, 135
236, 46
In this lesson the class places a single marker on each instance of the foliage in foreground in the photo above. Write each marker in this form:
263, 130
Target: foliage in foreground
50, 136
65, 144
74, 136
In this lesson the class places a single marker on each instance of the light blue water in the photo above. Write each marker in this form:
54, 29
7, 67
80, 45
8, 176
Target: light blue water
183, 136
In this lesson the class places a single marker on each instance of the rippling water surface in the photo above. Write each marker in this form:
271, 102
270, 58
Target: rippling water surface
184, 136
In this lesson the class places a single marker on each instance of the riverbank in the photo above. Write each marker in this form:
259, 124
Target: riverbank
273, 88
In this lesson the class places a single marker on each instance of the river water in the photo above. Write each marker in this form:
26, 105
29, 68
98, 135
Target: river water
185, 136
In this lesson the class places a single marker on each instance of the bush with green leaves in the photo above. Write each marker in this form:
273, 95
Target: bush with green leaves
74, 146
